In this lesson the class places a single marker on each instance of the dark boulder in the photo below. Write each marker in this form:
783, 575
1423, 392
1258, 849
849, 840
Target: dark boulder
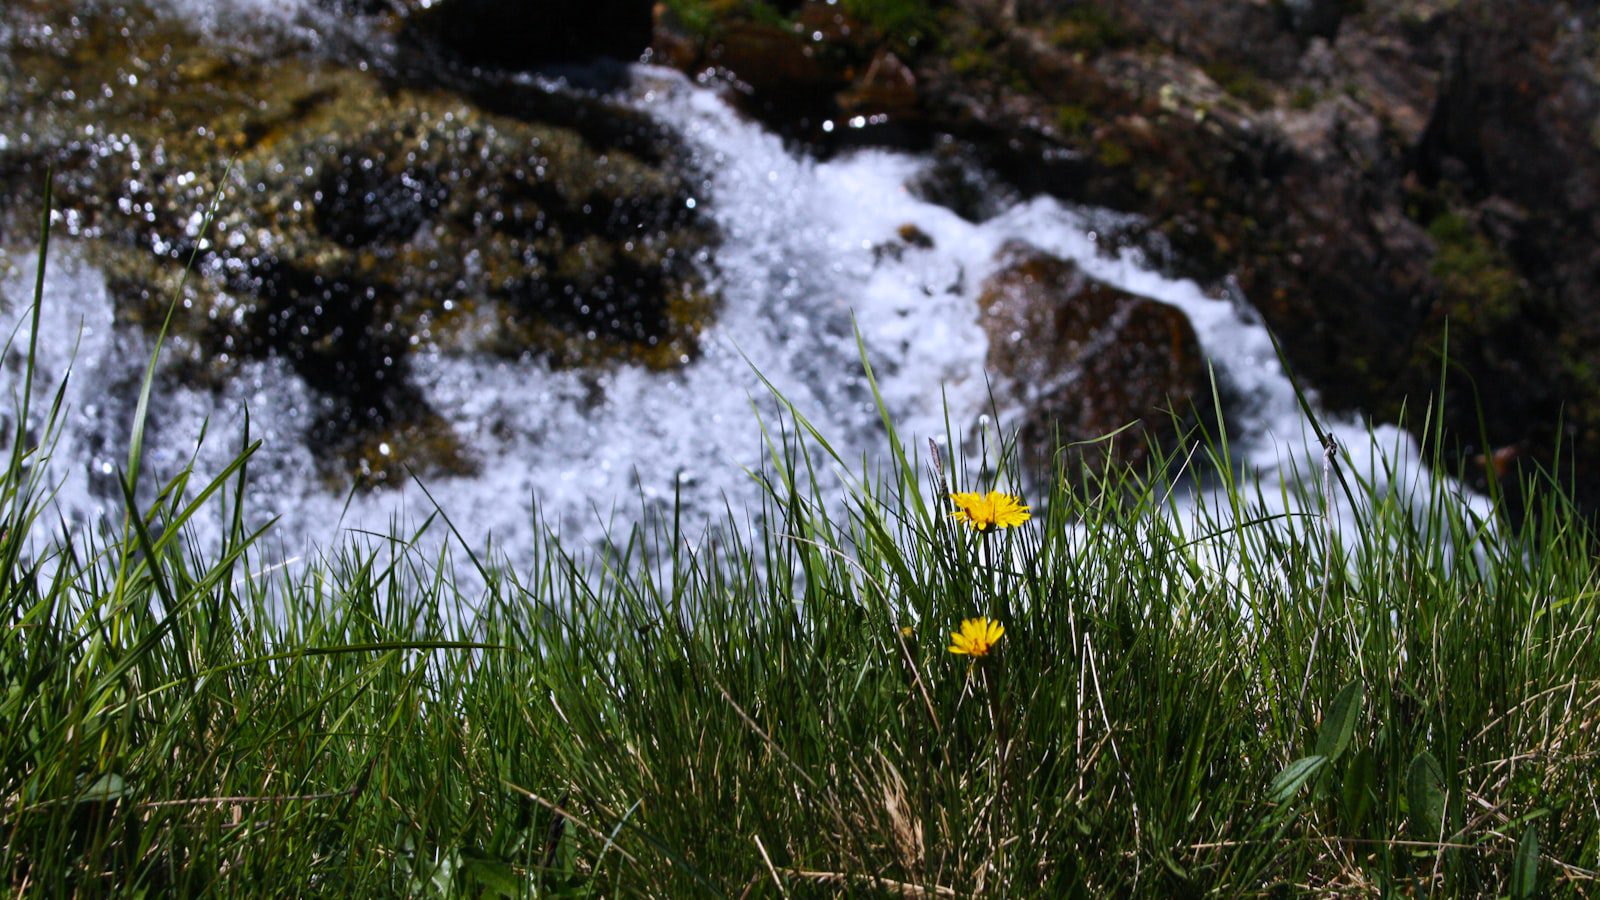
887, 88
1083, 359
529, 34
775, 62
798, 75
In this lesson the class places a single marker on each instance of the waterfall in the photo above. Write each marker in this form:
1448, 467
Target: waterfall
809, 257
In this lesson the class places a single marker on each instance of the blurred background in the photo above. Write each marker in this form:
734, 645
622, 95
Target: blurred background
536, 253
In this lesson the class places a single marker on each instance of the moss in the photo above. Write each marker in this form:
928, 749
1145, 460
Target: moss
427, 447
1090, 30
1303, 98
696, 17
1240, 82
688, 314
971, 62
1073, 120
1112, 155
704, 18
763, 12
899, 20
1475, 277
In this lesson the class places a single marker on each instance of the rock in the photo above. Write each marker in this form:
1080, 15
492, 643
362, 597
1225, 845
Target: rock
1254, 35
1314, 18
674, 42
364, 219
528, 34
1083, 359
1424, 164
914, 236
888, 88
1367, 172
777, 63
816, 64
958, 180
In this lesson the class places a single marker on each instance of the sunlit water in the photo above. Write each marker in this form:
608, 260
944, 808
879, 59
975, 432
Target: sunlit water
800, 269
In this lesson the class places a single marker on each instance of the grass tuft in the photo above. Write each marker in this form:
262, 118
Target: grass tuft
1236, 703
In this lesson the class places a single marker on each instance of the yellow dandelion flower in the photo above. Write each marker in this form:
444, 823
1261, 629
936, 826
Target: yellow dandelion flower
976, 637
986, 512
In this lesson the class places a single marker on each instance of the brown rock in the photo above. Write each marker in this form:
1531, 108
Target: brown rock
672, 42
1085, 359
775, 62
836, 27
1364, 172
887, 87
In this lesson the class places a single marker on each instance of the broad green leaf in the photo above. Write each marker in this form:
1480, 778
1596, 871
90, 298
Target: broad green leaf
1340, 722
1359, 787
492, 878
1525, 868
442, 879
1425, 791
106, 788
1293, 776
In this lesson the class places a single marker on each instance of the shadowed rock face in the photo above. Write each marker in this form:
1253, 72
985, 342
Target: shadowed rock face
527, 34
1367, 172
364, 217
1085, 359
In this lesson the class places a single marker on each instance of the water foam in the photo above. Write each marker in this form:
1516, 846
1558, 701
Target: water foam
76, 335
809, 255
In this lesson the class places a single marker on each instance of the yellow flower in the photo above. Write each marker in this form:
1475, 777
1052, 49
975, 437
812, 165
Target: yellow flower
976, 637
984, 512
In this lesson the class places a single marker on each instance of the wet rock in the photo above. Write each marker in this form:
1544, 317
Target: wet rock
887, 88
1367, 173
1083, 359
908, 237
799, 71
914, 236
362, 219
528, 34
959, 180
777, 63
1422, 164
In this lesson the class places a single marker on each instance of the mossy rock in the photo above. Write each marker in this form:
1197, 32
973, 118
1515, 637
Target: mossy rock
361, 217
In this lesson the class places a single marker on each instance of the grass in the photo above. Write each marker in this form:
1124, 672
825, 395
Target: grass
1246, 705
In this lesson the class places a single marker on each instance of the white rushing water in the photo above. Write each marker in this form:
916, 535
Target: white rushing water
800, 267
